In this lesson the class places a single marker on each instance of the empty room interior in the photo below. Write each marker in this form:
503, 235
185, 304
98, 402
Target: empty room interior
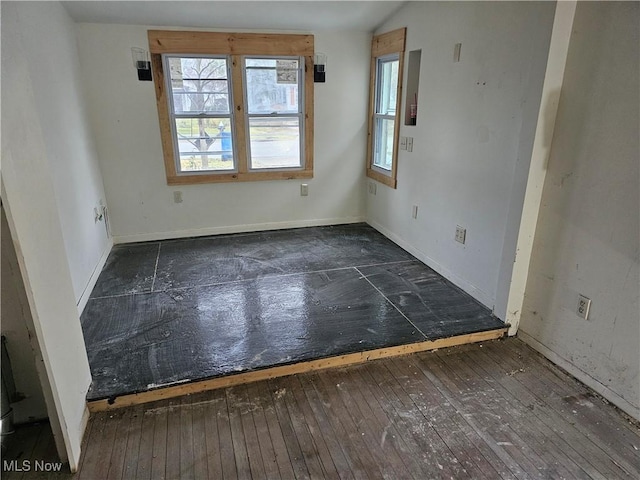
320, 239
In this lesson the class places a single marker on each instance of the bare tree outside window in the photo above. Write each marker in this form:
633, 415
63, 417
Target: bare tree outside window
201, 105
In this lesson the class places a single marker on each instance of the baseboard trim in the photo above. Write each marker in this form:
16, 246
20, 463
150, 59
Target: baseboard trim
254, 227
84, 298
285, 370
471, 289
584, 377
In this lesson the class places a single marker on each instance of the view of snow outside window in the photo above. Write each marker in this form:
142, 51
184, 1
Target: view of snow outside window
386, 91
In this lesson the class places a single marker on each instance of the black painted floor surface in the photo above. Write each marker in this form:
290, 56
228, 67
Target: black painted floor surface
176, 311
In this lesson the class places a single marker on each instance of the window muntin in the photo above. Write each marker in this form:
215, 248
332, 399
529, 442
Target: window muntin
199, 105
274, 90
385, 111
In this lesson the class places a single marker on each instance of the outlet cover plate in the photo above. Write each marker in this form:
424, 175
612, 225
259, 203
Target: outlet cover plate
461, 234
583, 307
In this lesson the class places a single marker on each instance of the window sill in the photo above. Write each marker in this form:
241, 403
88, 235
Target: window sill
382, 178
237, 177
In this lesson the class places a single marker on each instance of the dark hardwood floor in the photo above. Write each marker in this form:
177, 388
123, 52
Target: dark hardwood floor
496, 410
186, 310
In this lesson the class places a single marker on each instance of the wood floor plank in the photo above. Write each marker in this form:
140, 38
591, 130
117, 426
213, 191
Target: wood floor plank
262, 394
245, 408
229, 469
172, 467
186, 439
118, 453
431, 405
343, 422
296, 455
320, 428
39, 454
212, 438
20, 445
450, 392
486, 413
515, 415
372, 432
411, 420
413, 454
580, 466
92, 453
237, 435
618, 437
145, 454
262, 432
288, 413
333, 428
159, 451
297, 404
106, 446
605, 459
133, 443
199, 435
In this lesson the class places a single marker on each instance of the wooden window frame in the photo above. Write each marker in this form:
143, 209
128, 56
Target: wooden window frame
236, 46
383, 45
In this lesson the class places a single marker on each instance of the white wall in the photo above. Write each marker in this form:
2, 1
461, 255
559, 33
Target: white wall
42, 216
473, 138
57, 88
125, 121
588, 239
17, 327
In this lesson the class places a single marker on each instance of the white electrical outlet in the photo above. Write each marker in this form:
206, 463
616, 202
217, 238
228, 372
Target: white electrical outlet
304, 190
414, 211
409, 144
372, 188
461, 234
583, 307
177, 196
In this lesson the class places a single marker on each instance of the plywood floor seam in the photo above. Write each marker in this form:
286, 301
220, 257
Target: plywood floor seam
203, 309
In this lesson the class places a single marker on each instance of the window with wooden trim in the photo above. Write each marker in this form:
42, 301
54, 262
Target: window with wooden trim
385, 93
234, 107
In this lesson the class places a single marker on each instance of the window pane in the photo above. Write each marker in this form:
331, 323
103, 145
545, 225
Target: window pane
204, 144
383, 154
272, 85
199, 85
275, 142
387, 86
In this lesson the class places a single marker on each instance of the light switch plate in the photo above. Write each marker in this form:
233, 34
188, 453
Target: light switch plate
409, 144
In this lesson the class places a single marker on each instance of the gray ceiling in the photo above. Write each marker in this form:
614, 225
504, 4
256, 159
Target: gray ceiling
265, 14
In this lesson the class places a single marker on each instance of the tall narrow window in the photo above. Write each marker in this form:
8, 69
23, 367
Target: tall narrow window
385, 112
387, 56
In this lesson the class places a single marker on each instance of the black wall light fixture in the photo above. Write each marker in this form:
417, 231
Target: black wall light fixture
319, 67
142, 63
